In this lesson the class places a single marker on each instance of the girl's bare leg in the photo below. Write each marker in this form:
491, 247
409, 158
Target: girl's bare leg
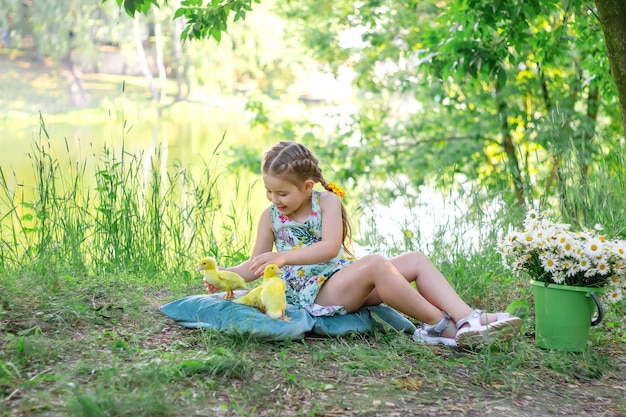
352, 288
417, 267
376, 274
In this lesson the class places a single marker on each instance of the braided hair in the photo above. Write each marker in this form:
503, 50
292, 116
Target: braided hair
292, 160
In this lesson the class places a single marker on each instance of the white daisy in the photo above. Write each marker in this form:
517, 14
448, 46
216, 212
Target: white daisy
558, 277
566, 245
584, 263
593, 247
550, 262
619, 248
602, 266
615, 281
615, 294
573, 270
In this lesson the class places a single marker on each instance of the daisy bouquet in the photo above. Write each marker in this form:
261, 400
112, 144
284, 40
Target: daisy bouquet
551, 252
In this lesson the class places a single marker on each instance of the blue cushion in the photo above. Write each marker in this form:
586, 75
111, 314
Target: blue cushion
213, 312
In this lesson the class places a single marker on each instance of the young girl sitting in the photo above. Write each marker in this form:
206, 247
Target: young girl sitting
311, 231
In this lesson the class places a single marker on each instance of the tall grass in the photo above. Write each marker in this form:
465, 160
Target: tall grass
79, 345
592, 192
121, 213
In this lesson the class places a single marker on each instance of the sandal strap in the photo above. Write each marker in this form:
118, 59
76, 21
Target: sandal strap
438, 328
473, 319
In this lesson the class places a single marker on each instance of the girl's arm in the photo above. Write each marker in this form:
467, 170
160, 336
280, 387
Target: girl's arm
264, 243
322, 251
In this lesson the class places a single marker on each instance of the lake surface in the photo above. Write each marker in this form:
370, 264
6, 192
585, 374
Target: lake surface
194, 140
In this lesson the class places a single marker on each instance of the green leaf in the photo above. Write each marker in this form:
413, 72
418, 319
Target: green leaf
519, 308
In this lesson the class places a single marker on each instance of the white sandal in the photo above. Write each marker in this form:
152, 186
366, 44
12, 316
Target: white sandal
431, 333
502, 329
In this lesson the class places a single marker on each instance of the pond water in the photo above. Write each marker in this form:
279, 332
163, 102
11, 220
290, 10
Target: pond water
190, 139
187, 139
193, 140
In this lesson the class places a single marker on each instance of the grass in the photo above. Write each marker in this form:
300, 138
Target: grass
81, 333
130, 221
90, 347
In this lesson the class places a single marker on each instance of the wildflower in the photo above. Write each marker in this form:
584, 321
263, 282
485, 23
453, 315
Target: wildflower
550, 252
603, 267
572, 270
620, 248
584, 263
614, 280
593, 247
549, 262
615, 294
558, 277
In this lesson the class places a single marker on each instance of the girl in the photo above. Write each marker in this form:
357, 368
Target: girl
311, 231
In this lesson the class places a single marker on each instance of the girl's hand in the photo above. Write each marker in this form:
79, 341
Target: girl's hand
210, 287
259, 263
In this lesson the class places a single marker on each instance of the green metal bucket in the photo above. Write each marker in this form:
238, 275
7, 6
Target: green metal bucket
563, 316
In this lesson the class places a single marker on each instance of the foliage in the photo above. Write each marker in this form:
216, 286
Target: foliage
210, 21
517, 80
133, 6
550, 252
504, 73
202, 21
58, 28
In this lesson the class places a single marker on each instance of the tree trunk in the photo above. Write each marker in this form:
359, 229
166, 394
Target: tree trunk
158, 46
77, 91
509, 147
178, 51
141, 57
613, 20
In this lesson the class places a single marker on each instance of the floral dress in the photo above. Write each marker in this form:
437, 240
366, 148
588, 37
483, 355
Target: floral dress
304, 281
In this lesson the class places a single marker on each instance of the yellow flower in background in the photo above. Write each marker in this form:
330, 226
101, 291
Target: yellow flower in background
408, 233
336, 190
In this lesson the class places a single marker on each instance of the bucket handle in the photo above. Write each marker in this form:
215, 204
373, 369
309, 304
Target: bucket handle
600, 310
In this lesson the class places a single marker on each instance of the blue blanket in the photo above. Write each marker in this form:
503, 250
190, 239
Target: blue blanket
213, 312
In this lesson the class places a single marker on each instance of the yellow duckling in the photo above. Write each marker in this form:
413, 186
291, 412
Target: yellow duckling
251, 299
226, 280
269, 297
272, 299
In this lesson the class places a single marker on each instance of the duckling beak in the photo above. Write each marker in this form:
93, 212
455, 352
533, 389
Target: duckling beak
199, 268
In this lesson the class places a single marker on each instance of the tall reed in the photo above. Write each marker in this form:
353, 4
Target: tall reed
595, 195
130, 215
